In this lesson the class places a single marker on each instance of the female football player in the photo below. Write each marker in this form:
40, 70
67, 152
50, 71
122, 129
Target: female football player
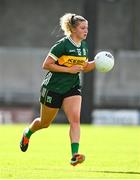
61, 86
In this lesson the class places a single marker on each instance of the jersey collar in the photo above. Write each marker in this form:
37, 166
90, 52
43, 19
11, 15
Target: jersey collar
74, 43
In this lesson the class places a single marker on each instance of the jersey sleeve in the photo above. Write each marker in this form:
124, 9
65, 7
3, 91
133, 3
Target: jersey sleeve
57, 50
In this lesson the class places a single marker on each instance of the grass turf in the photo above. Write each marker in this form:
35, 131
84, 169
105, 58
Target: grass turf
111, 152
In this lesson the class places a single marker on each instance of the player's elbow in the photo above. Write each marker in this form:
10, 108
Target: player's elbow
47, 64
44, 66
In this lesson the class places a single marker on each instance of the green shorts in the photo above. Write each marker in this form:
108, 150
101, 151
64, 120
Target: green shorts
55, 100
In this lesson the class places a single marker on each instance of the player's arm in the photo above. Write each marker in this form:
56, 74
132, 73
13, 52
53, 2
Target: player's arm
49, 64
89, 66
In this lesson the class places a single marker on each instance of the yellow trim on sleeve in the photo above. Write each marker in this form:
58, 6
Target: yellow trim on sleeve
53, 56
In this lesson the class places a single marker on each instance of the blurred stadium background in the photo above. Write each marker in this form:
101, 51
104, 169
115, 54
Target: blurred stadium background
27, 31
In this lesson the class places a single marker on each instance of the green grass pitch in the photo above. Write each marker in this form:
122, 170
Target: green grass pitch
111, 153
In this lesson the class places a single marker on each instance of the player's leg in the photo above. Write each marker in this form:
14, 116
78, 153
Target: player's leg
47, 115
50, 104
72, 109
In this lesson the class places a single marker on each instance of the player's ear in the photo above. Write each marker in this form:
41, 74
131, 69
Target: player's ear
73, 30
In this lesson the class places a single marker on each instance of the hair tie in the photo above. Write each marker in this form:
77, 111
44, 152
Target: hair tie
72, 20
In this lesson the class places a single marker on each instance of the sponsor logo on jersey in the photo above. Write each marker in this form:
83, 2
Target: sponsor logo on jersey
75, 61
72, 60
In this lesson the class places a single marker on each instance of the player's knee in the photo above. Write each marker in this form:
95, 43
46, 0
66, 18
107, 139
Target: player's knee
75, 118
75, 122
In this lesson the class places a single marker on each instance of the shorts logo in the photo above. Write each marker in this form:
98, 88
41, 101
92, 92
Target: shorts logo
49, 99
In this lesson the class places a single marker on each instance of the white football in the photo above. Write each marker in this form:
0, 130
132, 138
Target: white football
104, 61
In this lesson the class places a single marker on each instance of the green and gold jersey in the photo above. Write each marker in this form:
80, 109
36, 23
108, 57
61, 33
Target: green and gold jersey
66, 53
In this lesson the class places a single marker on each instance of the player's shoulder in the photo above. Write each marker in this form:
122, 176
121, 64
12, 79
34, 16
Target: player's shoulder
60, 43
62, 40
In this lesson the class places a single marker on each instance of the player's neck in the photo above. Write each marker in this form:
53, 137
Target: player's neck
76, 40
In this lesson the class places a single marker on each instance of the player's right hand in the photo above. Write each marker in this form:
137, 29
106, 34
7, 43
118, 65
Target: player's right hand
75, 69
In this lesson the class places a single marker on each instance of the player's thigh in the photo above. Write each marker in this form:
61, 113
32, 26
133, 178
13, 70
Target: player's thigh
47, 114
72, 107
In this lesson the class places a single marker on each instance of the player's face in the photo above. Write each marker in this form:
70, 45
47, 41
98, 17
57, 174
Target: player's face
81, 30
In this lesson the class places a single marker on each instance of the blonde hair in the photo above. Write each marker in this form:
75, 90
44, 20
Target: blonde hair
69, 21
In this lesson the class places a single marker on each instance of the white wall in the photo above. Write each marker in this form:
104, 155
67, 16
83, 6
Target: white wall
21, 74
121, 86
